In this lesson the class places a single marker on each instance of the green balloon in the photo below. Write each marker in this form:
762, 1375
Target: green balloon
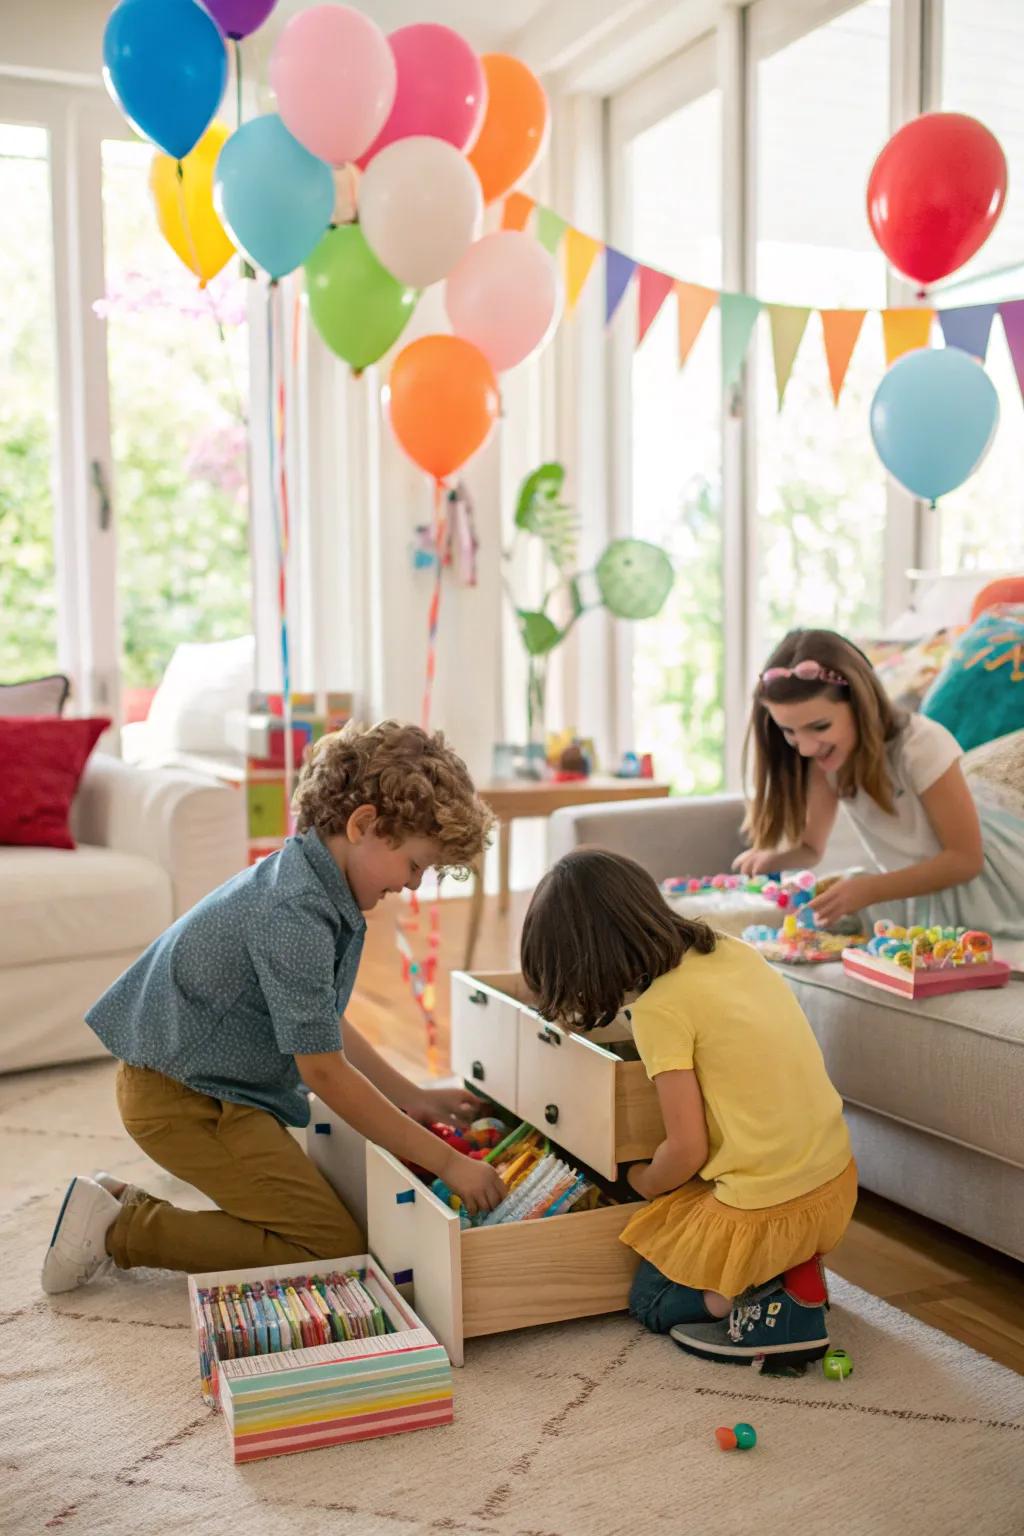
634, 578
359, 309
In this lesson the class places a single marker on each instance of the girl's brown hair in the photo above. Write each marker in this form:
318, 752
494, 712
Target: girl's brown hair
778, 807
598, 929
416, 784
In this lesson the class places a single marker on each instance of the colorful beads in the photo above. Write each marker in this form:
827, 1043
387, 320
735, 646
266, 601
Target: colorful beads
931, 949
741, 1437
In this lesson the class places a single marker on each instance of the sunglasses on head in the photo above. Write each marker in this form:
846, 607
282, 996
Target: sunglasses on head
806, 672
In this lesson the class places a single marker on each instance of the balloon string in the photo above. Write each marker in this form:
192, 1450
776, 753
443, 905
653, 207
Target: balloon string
435, 604
186, 226
238, 82
279, 512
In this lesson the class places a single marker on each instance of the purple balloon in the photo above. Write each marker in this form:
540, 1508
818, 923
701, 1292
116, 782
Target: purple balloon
237, 18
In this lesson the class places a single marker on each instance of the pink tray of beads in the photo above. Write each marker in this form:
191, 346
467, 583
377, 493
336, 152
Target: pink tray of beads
923, 983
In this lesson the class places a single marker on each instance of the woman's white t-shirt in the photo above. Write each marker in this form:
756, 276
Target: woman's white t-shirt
917, 758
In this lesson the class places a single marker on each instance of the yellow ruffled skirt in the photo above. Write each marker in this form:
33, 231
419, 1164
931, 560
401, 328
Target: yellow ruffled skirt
695, 1240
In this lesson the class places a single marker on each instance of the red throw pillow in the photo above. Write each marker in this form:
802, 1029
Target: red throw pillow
41, 762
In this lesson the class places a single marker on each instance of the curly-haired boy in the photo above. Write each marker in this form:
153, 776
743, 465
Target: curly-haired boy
225, 1018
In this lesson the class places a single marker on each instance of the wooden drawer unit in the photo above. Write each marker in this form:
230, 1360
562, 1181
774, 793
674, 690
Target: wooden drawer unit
599, 1108
492, 1279
485, 1036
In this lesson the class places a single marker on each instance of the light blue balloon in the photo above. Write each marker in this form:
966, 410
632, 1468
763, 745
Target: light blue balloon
933, 419
274, 196
165, 64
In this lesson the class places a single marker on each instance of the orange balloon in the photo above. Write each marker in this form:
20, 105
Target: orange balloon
515, 126
444, 402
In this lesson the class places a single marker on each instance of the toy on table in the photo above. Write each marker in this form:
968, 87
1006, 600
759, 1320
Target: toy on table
926, 962
800, 941
635, 766
793, 892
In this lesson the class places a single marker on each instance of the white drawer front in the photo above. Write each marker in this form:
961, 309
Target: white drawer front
485, 1040
567, 1089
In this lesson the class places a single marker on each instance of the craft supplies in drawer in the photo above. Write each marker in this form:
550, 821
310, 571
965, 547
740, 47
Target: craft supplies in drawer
485, 1042
299, 1360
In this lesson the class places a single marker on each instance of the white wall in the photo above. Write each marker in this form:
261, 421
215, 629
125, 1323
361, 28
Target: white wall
55, 37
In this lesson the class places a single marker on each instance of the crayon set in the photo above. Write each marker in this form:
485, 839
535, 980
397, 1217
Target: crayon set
299, 1361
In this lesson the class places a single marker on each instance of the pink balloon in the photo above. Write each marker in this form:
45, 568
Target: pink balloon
334, 76
442, 90
504, 297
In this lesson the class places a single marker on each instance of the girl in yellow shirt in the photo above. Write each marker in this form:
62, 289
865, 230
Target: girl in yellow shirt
755, 1178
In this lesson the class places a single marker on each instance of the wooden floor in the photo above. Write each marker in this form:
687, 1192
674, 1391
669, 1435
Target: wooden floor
966, 1290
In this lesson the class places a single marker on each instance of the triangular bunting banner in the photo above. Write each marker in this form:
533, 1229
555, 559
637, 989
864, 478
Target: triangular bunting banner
694, 304
739, 316
840, 328
905, 330
788, 324
653, 289
1012, 316
517, 210
618, 270
969, 328
581, 251
550, 229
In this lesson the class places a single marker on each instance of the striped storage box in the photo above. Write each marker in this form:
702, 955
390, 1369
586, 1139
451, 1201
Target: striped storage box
327, 1394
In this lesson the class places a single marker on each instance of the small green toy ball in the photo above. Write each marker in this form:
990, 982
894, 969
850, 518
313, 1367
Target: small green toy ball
634, 578
837, 1365
746, 1436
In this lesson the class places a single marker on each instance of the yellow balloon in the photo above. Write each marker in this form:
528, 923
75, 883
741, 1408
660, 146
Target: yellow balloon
184, 205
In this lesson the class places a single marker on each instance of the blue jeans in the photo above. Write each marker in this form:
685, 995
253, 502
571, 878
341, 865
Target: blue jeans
660, 1304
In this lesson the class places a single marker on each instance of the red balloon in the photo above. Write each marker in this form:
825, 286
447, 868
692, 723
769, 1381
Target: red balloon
935, 194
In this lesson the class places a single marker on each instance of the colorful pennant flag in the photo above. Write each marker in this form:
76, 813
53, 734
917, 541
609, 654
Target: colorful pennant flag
550, 229
905, 330
653, 288
739, 316
581, 251
517, 210
618, 269
693, 304
788, 323
1012, 316
840, 329
969, 328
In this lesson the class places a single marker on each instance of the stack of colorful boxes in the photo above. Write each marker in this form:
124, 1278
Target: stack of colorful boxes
267, 801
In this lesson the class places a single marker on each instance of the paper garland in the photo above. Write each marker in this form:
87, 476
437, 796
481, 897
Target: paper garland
904, 328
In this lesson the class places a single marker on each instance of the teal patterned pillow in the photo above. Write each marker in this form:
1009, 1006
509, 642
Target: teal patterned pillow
979, 694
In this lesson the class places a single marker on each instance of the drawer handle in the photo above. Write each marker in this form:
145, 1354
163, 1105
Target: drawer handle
548, 1036
479, 999
476, 1072
551, 1114
324, 1129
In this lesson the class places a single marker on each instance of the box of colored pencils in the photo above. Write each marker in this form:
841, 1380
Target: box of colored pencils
295, 1360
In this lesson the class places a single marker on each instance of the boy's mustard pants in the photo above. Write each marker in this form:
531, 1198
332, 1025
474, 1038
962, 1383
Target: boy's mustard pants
274, 1205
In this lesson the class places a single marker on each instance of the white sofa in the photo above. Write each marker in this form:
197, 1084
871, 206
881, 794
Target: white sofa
151, 843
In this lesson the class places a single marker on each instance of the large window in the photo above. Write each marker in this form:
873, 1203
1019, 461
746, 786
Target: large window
28, 419
822, 116
982, 523
674, 171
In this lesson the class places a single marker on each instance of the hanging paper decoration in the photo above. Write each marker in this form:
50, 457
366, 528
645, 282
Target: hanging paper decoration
653, 288
516, 212
618, 270
840, 329
581, 251
1012, 316
739, 316
969, 328
550, 229
905, 330
788, 323
693, 304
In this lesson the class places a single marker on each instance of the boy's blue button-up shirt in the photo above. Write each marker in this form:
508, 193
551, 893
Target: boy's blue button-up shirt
256, 972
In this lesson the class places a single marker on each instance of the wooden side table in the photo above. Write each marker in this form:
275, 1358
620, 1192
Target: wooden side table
519, 799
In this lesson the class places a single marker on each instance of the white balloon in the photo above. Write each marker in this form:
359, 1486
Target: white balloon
420, 208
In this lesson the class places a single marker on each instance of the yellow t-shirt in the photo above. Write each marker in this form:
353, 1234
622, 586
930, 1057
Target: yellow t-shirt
775, 1122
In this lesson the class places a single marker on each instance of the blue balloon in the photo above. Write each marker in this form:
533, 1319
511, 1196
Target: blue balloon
275, 198
933, 419
166, 66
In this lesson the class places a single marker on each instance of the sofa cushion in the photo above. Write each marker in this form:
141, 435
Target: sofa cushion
952, 1065
58, 904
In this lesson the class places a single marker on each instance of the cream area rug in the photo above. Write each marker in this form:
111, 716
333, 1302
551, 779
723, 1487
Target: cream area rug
587, 1429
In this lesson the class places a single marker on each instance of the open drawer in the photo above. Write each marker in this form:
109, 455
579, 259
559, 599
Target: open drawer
484, 1031
492, 1279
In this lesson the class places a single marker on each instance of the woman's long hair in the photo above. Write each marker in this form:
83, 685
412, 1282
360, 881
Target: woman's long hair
598, 929
778, 807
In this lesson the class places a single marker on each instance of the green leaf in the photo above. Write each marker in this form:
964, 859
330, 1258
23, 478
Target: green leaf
543, 486
540, 634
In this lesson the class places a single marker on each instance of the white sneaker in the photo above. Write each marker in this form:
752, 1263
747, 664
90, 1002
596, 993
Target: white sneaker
112, 1185
78, 1248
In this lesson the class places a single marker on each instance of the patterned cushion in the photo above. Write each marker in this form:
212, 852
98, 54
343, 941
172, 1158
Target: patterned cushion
40, 696
979, 695
908, 668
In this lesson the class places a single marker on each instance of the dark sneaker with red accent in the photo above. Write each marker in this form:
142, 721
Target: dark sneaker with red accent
761, 1326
